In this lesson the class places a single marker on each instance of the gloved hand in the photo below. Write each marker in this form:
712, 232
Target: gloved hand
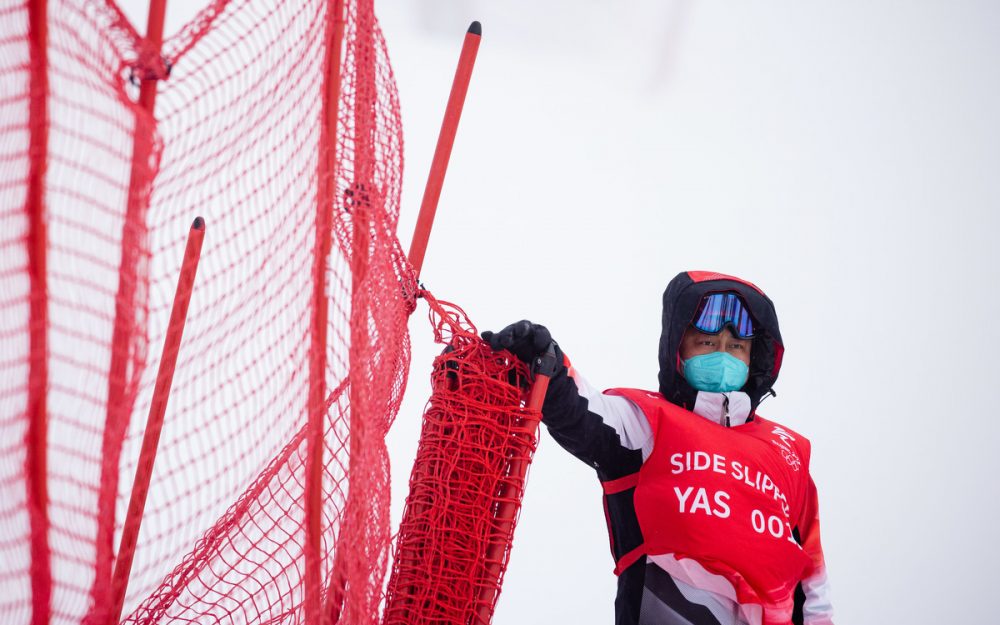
524, 339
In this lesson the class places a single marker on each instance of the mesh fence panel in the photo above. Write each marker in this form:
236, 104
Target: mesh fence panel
237, 136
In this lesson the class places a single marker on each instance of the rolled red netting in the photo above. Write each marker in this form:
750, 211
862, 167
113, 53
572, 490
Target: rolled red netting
477, 439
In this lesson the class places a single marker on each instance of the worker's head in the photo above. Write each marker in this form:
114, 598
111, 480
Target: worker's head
715, 348
720, 334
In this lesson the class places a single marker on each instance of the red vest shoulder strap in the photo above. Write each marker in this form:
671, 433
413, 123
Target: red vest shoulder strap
649, 402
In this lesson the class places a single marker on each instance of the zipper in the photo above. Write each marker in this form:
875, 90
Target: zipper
725, 408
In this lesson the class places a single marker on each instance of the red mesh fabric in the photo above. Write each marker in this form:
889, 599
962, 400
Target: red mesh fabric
467, 482
238, 137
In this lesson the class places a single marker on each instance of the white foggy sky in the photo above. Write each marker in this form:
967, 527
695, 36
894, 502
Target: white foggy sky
841, 155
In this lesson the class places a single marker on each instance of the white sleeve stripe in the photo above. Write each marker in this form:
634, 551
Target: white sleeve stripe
625, 417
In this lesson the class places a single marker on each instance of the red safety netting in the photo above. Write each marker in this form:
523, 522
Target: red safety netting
467, 483
295, 351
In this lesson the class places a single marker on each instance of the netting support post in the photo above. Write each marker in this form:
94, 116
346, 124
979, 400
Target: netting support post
442, 152
442, 155
36, 435
154, 421
505, 514
122, 341
326, 197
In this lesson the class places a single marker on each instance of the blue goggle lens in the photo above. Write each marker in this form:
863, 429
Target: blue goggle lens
718, 310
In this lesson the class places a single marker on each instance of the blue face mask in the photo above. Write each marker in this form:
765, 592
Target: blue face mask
717, 372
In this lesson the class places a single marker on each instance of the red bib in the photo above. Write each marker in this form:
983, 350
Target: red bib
727, 498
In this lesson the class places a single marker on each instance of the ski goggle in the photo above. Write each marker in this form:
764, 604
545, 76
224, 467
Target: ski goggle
717, 310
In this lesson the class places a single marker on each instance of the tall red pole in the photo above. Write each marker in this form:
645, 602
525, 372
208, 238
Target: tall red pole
118, 408
326, 192
154, 422
446, 139
442, 154
331, 613
505, 515
36, 436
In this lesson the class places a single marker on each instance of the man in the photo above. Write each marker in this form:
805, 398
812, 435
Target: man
711, 509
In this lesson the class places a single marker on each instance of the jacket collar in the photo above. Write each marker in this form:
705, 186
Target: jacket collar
715, 407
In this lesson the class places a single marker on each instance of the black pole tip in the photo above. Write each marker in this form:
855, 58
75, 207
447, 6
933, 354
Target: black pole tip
476, 28
199, 224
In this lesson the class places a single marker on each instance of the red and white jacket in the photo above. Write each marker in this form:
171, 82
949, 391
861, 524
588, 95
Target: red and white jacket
711, 510
708, 523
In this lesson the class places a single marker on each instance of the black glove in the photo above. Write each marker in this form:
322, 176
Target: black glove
524, 339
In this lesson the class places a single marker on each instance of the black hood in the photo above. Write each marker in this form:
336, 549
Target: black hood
680, 302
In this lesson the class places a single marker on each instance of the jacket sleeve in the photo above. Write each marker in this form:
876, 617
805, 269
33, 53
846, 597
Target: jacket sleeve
610, 433
816, 606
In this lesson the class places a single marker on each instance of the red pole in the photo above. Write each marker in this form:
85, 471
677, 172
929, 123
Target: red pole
36, 436
154, 38
538, 390
446, 139
326, 192
118, 409
507, 509
154, 422
442, 154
